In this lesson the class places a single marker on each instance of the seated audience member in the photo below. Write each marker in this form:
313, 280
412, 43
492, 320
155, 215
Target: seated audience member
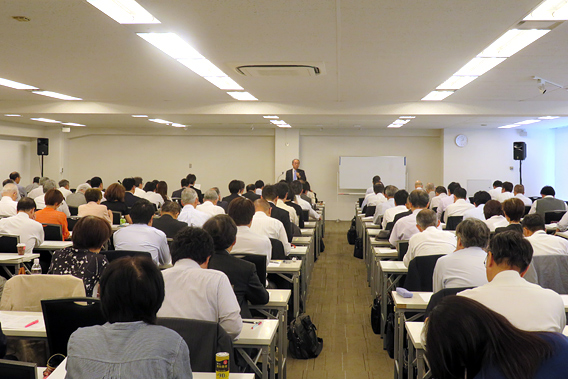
129, 345
541, 242
265, 225
418, 185
177, 193
376, 197
241, 274
562, 225
269, 194
15, 176
497, 189
464, 267
466, 339
189, 214
129, 197
430, 241
289, 201
519, 192
78, 198
209, 206
479, 200
220, 202
282, 191
526, 305
431, 189
250, 193
94, 206
376, 179
440, 193
191, 178
297, 189
390, 191
506, 192
400, 200
152, 196
34, 185
406, 227
115, 200
40, 200
258, 185
8, 202
141, 236
514, 209
38, 191
308, 194
242, 212
24, 225
83, 260
138, 185
459, 206
194, 292
97, 182
494, 217
64, 188
234, 189
162, 190
168, 221
450, 199
547, 203
50, 214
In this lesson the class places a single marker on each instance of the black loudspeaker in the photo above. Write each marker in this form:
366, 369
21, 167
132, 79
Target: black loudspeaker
519, 151
43, 146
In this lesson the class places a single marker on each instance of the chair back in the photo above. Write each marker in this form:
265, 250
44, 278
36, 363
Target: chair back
64, 316
8, 243
420, 273
258, 260
116, 217
553, 216
204, 339
552, 272
389, 225
278, 249
74, 211
17, 370
438, 296
402, 248
527, 209
453, 222
370, 210
306, 214
401, 215
52, 232
361, 199
71, 221
111, 255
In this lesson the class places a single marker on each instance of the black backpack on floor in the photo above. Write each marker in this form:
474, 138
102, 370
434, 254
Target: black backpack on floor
352, 233
304, 342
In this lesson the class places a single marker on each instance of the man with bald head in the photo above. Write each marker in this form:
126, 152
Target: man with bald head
295, 173
267, 226
8, 202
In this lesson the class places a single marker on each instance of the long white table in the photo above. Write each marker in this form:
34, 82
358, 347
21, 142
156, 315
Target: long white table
260, 336
15, 260
54, 245
305, 254
380, 254
289, 271
416, 356
390, 274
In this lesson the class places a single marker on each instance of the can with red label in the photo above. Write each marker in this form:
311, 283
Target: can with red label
222, 365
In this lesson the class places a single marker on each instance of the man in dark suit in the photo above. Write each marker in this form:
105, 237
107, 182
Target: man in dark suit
177, 193
129, 198
250, 193
285, 194
295, 173
191, 178
234, 189
242, 274
168, 222
269, 194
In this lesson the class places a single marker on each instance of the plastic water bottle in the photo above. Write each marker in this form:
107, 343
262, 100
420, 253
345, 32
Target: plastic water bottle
36, 268
122, 220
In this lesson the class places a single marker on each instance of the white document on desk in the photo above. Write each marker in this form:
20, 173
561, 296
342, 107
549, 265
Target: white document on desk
273, 264
19, 321
426, 296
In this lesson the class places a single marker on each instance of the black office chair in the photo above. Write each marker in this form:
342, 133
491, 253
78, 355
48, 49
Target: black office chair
52, 232
370, 210
453, 222
420, 273
74, 211
116, 217
361, 199
278, 249
435, 209
306, 214
71, 221
438, 296
527, 209
258, 260
553, 216
8, 243
64, 316
177, 200
17, 370
400, 215
111, 255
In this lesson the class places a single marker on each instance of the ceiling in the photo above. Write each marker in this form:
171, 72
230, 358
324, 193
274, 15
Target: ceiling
380, 59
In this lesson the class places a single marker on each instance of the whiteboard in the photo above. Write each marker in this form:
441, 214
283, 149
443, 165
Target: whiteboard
358, 172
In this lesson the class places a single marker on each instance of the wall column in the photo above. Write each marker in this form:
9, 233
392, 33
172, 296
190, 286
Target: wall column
286, 148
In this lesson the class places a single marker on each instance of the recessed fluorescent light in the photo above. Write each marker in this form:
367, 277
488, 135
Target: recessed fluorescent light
511, 42
508, 126
41, 119
224, 83
456, 82
202, 67
56, 95
243, 96
270, 116
407, 117
278, 122
176, 125
159, 121
478, 66
527, 122
551, 10
72, 124
542, 118
284, 126
139, 115
15, 85
13, 115
124, 11
437, 95
393, 125
171, 44
400, 122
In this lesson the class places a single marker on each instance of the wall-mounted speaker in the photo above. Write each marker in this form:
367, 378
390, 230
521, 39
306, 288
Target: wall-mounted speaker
519, 151
43, 146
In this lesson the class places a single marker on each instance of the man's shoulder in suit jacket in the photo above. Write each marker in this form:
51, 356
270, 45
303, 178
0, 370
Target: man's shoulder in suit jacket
130, 199
284, 217
168, 225
177, 193
230, 198
290, 175
251, 196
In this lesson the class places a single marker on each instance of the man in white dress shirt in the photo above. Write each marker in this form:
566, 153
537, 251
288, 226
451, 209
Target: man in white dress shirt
282, 189
189, 213
258, 186
40, 200
265, 225
541, 242
506, 192
209, 206
376, 197
64, 188
527, 306
519, 193
460, 205
464, 267
141, 236
431, 189
8, 204
298, 188
479, 200
24, 225
242, 212
439, 193
497, 189
452, 187
400, 200
193, 291
376, 179
38, 191
138, 184
406, 226
430, 241
380, 210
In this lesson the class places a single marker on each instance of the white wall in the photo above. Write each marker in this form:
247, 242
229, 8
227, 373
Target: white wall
489, 155
561, 157
18, 150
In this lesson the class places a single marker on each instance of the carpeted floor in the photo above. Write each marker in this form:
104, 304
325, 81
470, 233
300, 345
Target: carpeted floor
339, 302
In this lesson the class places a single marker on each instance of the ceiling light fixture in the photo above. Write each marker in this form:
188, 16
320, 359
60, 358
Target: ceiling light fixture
512, 42
159, 121
508, 126
550, 10
13, 115
527, 122
270, 116
139, 115
243, 96
48, 120
56, 95
437, 95
410, 117
124, 11
478, 66
456, 82
72, 124
541, 118
176, 125
15, 85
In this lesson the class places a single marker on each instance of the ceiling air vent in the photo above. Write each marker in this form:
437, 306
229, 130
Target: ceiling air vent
280, 69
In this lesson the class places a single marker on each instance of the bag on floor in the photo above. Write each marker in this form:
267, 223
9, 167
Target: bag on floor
352, 233
358, 251
376, 316
304, 342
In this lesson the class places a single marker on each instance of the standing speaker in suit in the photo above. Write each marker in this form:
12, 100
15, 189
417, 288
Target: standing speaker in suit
295, 173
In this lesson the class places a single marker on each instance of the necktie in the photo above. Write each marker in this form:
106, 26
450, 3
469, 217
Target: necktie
295, 178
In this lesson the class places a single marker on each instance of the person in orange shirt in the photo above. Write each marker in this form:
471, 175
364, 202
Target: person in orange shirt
50, 214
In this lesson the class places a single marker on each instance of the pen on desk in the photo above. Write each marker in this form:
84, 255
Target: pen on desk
256, 324
31, 323
249, 322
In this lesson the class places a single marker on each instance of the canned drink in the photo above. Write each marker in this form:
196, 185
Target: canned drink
222, 365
